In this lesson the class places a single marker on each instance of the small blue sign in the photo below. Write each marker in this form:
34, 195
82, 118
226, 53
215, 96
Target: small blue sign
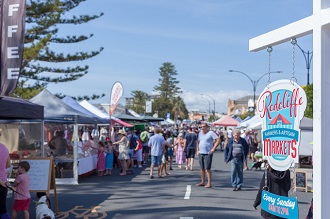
281, 206
168, 115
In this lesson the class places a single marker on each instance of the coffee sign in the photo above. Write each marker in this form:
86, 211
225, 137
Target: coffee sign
281, 106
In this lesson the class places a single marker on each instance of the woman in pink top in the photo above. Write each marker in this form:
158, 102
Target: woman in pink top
4, 163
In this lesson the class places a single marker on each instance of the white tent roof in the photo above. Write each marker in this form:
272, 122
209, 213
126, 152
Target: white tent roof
94, 109
255, 126
305, 148
251, 121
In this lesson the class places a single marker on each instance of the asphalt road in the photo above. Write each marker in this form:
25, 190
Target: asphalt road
174, 197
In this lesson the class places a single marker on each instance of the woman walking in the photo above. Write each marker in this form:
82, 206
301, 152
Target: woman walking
123, 151
180, 154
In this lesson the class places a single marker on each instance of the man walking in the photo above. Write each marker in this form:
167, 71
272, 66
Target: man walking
157, 145
191, 142
206, 145
236, 152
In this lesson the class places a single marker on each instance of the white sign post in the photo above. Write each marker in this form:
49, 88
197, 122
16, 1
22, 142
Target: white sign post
317, 24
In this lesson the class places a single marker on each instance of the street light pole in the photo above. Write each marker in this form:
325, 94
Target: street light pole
213, 105
308, 59
209, 105
254, 83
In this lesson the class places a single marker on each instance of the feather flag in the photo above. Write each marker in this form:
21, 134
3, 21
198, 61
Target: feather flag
116, 93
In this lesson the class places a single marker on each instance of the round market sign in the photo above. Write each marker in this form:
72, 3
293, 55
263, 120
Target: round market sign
281, 106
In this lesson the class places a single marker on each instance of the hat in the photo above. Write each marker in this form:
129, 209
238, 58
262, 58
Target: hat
121, 132
181, 135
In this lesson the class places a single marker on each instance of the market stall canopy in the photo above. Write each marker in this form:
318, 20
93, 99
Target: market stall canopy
96, 111
305, 148
128, 118
151, 119
163, 123
170, 121
15, 108
115, 120
225, 121
306, 133
75, 105
251, 121
238, 119
55, 110
306, 124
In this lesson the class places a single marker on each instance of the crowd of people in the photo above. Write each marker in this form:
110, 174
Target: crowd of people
160, 148
131, 149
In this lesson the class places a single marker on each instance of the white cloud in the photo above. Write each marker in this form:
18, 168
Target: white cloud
194, 99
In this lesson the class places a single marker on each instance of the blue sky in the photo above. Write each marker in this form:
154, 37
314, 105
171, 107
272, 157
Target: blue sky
202, 38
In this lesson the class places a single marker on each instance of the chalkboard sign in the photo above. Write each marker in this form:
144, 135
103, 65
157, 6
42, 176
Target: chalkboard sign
301, 180
40, 173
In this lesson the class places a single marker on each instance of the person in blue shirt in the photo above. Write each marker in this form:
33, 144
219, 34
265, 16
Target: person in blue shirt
206, 145
157, 146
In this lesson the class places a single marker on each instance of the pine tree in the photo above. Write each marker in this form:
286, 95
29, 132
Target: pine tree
167, 88
42, 20
167, 83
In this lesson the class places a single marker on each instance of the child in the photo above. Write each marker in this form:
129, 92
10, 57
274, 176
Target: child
22, 197
101, 159
109, 158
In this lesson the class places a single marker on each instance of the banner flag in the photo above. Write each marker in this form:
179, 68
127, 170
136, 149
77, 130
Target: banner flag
12, 43
116, 93
148, 106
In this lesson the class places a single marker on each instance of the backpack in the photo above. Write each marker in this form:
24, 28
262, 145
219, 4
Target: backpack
144, 137
132, 142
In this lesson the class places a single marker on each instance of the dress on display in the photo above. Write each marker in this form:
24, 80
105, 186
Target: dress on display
85, 135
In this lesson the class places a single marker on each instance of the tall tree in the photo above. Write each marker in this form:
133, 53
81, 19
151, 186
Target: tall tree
41, 64
167, 88
139, 101
167, 83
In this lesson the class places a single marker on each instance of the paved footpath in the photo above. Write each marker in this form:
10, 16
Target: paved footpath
176, 196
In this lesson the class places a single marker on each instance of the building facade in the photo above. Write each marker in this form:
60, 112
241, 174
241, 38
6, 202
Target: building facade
239, 106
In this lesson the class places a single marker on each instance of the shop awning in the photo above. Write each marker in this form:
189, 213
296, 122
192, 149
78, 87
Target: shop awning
116, 120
